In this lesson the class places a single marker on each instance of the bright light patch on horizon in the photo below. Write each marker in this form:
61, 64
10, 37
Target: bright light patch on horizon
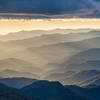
15, 25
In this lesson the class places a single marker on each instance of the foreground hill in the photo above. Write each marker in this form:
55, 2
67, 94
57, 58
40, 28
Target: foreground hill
17, 82
40, 90
46, 90
91, 92
49, 90
7, 93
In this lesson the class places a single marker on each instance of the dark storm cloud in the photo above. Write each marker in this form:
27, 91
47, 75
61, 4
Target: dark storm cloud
49, 7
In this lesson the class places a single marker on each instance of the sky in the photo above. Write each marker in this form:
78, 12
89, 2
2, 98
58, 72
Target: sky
19, 15
15, 25
48, 8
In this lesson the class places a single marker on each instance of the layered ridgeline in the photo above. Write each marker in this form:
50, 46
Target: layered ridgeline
68, 56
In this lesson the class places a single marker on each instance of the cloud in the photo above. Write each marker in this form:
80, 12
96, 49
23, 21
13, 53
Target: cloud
48, 7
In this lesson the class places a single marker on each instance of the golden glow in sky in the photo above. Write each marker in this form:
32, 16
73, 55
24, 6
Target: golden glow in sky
14, 25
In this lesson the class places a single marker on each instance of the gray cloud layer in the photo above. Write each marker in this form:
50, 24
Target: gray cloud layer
51, 7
